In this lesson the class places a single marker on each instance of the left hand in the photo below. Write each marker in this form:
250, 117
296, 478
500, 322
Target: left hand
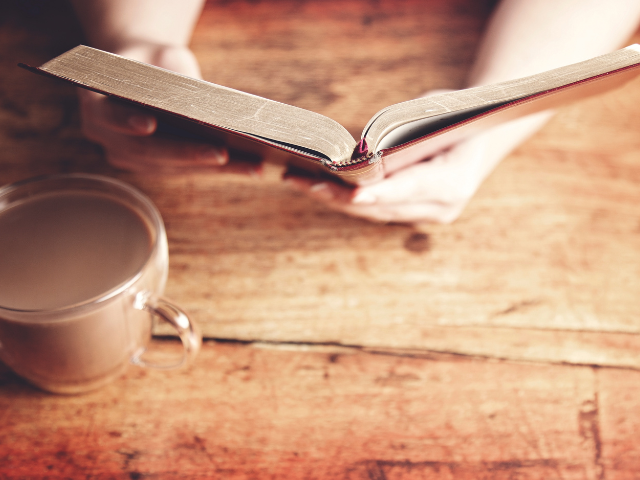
434, 190
126, 133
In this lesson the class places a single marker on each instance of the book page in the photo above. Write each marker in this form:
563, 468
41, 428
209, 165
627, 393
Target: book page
421, 116
203, 101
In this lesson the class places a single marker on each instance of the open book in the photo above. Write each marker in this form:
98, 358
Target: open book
396, 136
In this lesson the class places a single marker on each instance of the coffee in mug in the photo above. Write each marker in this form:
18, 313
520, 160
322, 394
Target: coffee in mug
83, 260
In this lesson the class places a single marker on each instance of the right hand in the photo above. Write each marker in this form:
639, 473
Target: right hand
126, 132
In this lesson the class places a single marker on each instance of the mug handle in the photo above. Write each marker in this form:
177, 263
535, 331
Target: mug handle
188, 332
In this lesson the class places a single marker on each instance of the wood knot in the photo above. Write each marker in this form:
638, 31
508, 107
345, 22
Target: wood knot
418, 242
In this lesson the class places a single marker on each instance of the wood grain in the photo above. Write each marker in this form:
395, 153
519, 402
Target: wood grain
542, 266
619, 415
248, 412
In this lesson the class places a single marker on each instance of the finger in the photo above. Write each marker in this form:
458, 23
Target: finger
165, 150
338, 198
409, 213
171, 154
323, 190
414, 183
101, 113
450, 177
241, 167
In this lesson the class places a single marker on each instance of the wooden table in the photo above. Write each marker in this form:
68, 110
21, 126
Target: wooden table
504, 346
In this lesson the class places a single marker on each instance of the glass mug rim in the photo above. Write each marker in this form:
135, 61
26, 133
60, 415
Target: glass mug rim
152, 215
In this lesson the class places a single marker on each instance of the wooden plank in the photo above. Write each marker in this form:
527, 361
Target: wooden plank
543, 265
255, 412
619, 414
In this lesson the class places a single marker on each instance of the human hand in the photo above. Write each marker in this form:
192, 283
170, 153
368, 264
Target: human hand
434, 190
127, 133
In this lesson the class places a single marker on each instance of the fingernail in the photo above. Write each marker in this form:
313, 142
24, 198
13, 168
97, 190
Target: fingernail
321, 191
364, 198
213, 155
142, 123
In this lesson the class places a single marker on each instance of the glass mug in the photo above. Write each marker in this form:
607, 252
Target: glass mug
83, 262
